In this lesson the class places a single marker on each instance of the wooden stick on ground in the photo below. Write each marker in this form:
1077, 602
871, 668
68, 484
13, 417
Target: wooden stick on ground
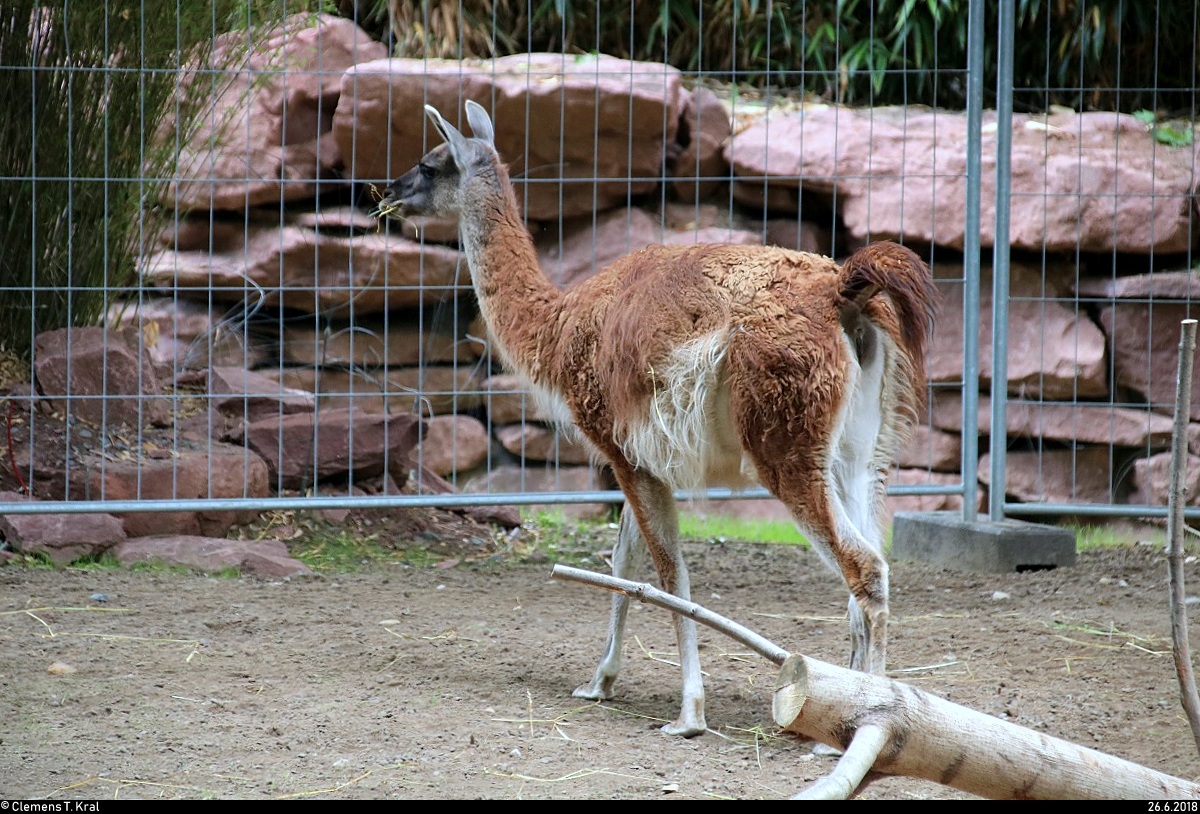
1176, 499
888, 727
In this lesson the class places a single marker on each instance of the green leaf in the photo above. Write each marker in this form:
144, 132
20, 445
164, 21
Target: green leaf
1173, 136
1146, 117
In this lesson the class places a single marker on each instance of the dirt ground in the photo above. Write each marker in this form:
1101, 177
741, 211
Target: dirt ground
453, 679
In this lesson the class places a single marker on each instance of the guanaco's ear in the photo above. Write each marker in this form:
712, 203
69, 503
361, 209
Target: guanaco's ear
481, 125
456, 140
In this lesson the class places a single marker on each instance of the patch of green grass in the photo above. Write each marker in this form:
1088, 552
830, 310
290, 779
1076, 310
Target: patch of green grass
33, 559
555, 519
722, 528
228, 572
557, 538
1114, 535
561, 535
103, 562
338, 549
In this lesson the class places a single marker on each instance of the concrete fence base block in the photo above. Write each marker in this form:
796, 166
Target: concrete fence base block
945, 539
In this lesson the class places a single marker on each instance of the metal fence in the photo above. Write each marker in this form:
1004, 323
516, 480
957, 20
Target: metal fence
1121, 283
257, 253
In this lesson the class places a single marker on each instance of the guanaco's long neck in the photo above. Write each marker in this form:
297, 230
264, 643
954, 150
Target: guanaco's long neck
518, 302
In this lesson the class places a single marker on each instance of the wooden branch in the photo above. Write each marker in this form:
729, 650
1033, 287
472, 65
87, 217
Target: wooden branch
1176, 498
909, 732
847, 776
644, 592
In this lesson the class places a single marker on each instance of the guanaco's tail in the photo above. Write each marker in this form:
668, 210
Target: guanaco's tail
904, 277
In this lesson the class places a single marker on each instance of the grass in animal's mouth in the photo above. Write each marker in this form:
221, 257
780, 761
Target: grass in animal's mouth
385, 207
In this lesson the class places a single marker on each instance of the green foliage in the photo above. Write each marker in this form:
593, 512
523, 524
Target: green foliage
1068, 52
32, 559
89, 85
1165, 132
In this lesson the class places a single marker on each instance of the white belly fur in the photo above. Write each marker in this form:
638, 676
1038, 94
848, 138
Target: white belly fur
688, 441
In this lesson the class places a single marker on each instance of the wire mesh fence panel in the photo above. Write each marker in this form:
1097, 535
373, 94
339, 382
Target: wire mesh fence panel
1102, 237
207, 317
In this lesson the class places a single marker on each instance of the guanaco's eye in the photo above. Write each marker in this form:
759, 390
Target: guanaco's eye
426, 171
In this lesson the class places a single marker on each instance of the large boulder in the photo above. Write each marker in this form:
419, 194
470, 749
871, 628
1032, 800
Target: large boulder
924, 503
105, 377
302, 449
1141, 318
533, 442
247, 396
1054, 351
550, 478
452, 444
61, 538
312, 271
424, 481
704, 128
263, 133
1152, 480
183, 334
154, 467
1081, 475
1089, 182
379, 341
562, 122
509, 400
263, 558
428, 390
931, 450
1083, 422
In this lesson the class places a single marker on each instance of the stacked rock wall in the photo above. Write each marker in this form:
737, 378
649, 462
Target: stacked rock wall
272, 244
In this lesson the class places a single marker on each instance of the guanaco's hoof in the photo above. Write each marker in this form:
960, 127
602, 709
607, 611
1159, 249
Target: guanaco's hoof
592, 692
825, 750
686, 729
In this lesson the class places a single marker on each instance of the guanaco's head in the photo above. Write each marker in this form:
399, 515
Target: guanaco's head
442, 180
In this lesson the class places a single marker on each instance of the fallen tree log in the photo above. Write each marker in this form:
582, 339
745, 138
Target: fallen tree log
910, 732
886, 727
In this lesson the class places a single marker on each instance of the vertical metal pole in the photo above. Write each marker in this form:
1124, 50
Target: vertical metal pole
970, 355
999, 437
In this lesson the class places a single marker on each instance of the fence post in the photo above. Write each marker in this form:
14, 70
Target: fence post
969, 455
999, 390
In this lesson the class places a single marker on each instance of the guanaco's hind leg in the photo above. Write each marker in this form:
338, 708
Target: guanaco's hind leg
868, 611
866, 575
856, 550
868, 631
847, 550
650, 515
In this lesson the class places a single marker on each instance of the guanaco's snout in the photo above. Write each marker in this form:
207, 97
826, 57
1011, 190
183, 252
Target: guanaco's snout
392, 203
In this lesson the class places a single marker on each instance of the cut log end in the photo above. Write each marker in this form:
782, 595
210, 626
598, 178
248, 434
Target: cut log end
791, 691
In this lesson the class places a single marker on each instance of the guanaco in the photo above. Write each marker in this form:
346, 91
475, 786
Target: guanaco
691, 366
